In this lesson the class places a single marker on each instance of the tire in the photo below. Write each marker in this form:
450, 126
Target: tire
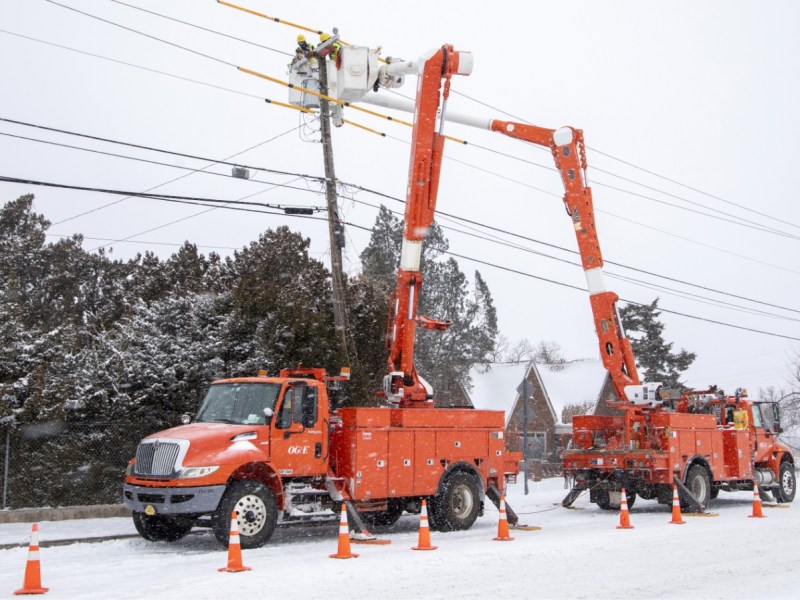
604, 502
384, 519
714, 492
257, 514
699, 484
457, 505
787, 483
162, 528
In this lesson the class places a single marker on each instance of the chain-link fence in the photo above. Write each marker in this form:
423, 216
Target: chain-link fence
57, 464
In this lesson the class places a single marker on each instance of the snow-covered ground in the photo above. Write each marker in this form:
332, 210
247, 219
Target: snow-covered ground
577, 554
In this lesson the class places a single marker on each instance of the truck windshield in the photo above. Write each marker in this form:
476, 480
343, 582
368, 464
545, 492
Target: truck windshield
241, 403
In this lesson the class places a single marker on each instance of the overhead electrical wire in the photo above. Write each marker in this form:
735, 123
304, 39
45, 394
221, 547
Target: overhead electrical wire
164, 197
147, 35
741, 221
395, 199
190, 50
207, 201
234, 203
207, 29
644, 170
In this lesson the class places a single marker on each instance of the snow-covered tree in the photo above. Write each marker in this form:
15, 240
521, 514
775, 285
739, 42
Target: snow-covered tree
654, 355
280, 306
443, 358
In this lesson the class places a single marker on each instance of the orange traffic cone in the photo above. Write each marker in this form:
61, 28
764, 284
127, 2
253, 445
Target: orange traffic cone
502, 524
756, 504
677, 518
344, 538
33, 573
624, 517
234, 549
424, 542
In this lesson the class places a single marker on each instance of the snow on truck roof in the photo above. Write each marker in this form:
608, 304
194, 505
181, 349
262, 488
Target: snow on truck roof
574, 382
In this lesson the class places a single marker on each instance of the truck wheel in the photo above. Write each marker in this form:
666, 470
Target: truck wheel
787, 483
604, 501
457, 505
161, 528
699, 484
381, 519
257, 514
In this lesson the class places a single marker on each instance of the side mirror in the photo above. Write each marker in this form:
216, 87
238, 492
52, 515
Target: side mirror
186, 418
268, 412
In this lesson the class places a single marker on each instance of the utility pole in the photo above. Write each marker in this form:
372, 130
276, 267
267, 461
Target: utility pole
525, 428
335, 228
522, 390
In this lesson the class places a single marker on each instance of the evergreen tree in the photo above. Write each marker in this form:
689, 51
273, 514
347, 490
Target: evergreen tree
280, 306
654, 356
442, 358
381, 257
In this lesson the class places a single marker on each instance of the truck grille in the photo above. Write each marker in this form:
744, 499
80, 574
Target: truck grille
156, 458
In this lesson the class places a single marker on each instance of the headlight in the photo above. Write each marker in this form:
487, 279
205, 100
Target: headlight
191, 472
129, 468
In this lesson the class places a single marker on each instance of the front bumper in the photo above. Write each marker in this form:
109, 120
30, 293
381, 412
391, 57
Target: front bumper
172, 500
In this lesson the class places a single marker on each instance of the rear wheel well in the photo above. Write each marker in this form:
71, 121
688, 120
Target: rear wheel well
698, 460
461, 467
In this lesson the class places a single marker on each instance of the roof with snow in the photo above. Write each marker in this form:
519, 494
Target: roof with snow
575, 382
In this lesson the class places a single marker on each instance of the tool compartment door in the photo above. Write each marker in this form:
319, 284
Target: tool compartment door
401, 463
427, 468
370, 464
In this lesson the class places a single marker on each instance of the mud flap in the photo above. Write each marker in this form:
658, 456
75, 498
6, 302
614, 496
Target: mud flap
571, 497
688, 496
494, 495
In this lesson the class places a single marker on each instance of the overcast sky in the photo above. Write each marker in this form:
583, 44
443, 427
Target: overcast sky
689, 112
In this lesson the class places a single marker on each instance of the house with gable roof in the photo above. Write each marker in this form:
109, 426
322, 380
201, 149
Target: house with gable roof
554, 394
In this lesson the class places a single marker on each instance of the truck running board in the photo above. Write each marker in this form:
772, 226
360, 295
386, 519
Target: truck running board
494, 495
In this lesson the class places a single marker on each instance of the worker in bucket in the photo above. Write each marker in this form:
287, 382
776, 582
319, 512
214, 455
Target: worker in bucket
335, 56
304, 49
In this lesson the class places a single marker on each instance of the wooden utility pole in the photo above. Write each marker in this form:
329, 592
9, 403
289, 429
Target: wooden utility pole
335, 227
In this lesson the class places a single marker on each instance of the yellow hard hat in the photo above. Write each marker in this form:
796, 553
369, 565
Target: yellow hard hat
301, 38
324, 37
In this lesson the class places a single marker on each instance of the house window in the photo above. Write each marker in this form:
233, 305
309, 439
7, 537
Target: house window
536, 445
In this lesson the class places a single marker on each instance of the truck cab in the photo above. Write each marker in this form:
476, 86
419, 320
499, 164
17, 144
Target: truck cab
258, 445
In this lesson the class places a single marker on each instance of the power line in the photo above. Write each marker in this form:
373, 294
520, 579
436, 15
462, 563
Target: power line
231, 37
162, 151
129, 64
672, 312
387, 196
163, 197
743, 222
205, 201
641, 283
648, 171
147, 35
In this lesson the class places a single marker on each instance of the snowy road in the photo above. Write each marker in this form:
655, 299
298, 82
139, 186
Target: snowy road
577, 554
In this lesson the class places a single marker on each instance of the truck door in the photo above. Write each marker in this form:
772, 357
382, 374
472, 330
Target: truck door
765, 430
299, 442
